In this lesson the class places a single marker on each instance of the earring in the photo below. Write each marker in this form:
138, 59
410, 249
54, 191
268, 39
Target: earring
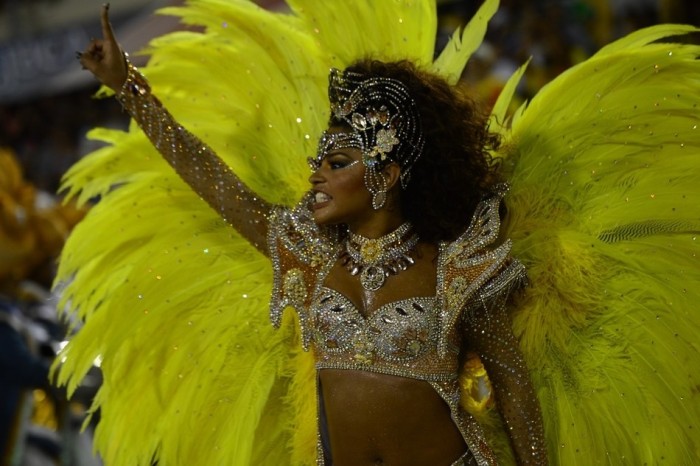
378, 200
379, 197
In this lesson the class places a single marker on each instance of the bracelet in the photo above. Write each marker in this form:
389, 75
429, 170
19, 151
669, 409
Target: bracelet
135, 84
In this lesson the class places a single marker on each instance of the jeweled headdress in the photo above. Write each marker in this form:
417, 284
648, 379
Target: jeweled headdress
385, 125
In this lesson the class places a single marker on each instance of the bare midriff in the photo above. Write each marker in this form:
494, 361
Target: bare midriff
378, 419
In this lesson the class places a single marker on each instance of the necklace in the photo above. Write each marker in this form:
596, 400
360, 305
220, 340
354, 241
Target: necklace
376, 259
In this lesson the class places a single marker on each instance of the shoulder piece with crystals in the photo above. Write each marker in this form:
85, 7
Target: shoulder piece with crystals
470, 269
300, 251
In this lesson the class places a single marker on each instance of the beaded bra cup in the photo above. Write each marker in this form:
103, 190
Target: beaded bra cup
395, 339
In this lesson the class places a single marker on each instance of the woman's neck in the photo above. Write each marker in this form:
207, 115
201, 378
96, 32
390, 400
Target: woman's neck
380, 224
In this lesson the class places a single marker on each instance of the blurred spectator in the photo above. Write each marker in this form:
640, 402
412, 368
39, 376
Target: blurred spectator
22, 369
33, 228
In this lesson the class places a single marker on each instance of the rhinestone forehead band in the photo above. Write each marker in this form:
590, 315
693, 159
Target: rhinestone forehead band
333, 141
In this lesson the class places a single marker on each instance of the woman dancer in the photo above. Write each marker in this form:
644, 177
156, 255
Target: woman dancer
583, 208
397, 177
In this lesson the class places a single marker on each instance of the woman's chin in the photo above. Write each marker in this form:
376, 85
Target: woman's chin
324, 218
318, 215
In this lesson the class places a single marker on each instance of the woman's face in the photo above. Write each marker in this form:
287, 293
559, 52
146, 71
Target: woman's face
338, 186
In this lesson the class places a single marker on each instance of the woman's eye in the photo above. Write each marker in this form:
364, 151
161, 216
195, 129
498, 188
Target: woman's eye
336, 164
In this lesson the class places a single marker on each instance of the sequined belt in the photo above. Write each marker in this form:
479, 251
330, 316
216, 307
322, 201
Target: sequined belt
388, 370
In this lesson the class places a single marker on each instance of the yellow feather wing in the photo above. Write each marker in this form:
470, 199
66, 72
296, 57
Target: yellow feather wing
603, 211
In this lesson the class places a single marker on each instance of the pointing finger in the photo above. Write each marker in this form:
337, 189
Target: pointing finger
107, 32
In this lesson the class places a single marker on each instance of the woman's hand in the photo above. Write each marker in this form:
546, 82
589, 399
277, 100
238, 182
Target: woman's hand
104, 58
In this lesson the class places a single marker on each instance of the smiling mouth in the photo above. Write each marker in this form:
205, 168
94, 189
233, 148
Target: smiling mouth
320, 197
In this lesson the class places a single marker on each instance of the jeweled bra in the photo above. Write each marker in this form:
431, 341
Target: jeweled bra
396, 339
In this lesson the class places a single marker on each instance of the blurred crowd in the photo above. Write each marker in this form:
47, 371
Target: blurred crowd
48, 134
553, 34
40, 139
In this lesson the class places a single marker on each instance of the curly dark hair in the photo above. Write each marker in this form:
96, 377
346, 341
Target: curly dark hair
455, 171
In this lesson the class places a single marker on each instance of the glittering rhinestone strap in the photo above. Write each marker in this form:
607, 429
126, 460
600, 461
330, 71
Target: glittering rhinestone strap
135, 84
196, 162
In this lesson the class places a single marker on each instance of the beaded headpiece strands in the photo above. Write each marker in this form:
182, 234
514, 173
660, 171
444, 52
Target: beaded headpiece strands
385, 126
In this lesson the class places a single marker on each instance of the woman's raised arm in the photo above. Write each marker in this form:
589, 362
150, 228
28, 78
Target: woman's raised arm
192, 159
